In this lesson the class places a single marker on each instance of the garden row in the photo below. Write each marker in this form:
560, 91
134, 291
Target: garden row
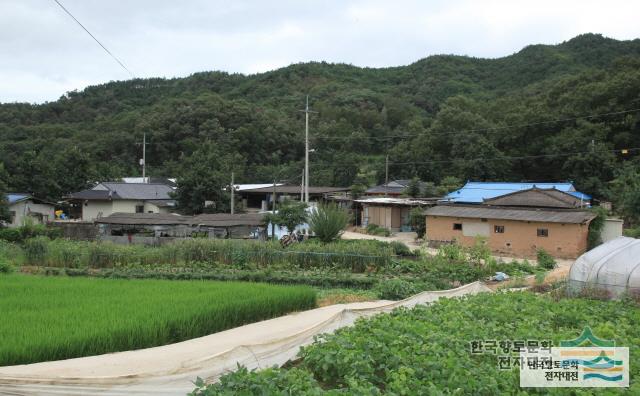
427, 350
51, 318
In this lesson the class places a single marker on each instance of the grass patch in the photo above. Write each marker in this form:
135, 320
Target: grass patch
51, 318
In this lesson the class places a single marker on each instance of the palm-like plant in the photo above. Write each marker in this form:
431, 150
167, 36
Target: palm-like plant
328, 221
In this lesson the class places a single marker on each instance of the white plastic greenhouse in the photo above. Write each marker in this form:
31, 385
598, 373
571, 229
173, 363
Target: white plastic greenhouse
613, 266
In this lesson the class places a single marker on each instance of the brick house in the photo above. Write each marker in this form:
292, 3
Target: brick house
515, 224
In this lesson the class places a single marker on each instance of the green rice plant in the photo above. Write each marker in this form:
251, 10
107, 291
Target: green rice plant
51, 318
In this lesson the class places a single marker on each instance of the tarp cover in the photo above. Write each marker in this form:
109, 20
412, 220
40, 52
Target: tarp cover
614, 266
171, 369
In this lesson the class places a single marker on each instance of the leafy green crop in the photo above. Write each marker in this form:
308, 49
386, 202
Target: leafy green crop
426, 350
59, 318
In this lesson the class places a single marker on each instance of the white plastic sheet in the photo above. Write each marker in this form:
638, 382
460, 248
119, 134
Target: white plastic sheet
614, 266
171, 369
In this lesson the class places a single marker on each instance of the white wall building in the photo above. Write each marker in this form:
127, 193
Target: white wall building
25, 206
119, 197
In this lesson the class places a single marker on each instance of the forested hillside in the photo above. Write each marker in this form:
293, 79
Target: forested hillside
481, 119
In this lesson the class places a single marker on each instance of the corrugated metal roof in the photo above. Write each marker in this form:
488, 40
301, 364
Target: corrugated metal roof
16, 197
535, 215
211, 220
477, 192
397, 201
296, 190
144, 219
228, 220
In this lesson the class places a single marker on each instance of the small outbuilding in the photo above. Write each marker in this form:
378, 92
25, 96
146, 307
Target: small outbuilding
613, 266
391, 213
26, 206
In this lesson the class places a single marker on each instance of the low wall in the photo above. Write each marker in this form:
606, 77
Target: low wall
81, 231
139, 240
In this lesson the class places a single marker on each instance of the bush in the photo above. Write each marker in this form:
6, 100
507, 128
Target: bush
36, 250
545, 260
328, 221
632, 232
29, 230
400, 249
5, 267
374, 229
396, 289
418, 221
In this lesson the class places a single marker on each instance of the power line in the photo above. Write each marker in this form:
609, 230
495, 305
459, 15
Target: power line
628, 150
388, 137
95, 39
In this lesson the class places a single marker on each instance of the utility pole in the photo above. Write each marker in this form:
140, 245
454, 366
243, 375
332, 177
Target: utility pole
233, 189
386, 177
273, 226
144, 157
302, 188
306, 150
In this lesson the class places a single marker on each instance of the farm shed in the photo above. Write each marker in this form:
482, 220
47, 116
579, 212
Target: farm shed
144, 224
261, 198
26, 206
613, 266
235, 226
131, 227
391, 213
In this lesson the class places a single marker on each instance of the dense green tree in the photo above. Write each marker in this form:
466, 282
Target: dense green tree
4, 206
202, 178
442, 116
625, 192
289, 214
413, 188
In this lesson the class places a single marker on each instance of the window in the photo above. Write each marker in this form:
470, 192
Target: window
498, 229
543, 232
139, 208
457, 226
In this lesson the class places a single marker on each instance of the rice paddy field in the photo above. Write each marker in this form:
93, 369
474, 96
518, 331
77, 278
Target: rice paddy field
52, 318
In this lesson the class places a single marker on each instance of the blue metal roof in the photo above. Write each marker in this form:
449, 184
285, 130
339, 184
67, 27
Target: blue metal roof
13, 198
477, 192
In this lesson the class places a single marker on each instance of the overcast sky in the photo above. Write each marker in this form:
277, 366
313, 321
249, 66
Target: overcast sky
44, 53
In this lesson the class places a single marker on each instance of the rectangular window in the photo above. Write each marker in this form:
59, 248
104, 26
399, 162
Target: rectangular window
543, 232
457, 226
139, 208
498, 229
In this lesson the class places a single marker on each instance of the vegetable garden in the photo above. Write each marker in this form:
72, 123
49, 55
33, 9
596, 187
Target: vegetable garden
51, 318
427, 350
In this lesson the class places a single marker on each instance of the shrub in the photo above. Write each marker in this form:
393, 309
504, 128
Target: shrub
11, 234
400, 249
328, 221
418, 221
374, 229
5, 267
545, 260
594, 238
36, 250
396, 289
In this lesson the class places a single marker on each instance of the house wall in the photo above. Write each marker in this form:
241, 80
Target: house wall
611, 230
384, 216
519, 238
94, 209
91, 210
27, 209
